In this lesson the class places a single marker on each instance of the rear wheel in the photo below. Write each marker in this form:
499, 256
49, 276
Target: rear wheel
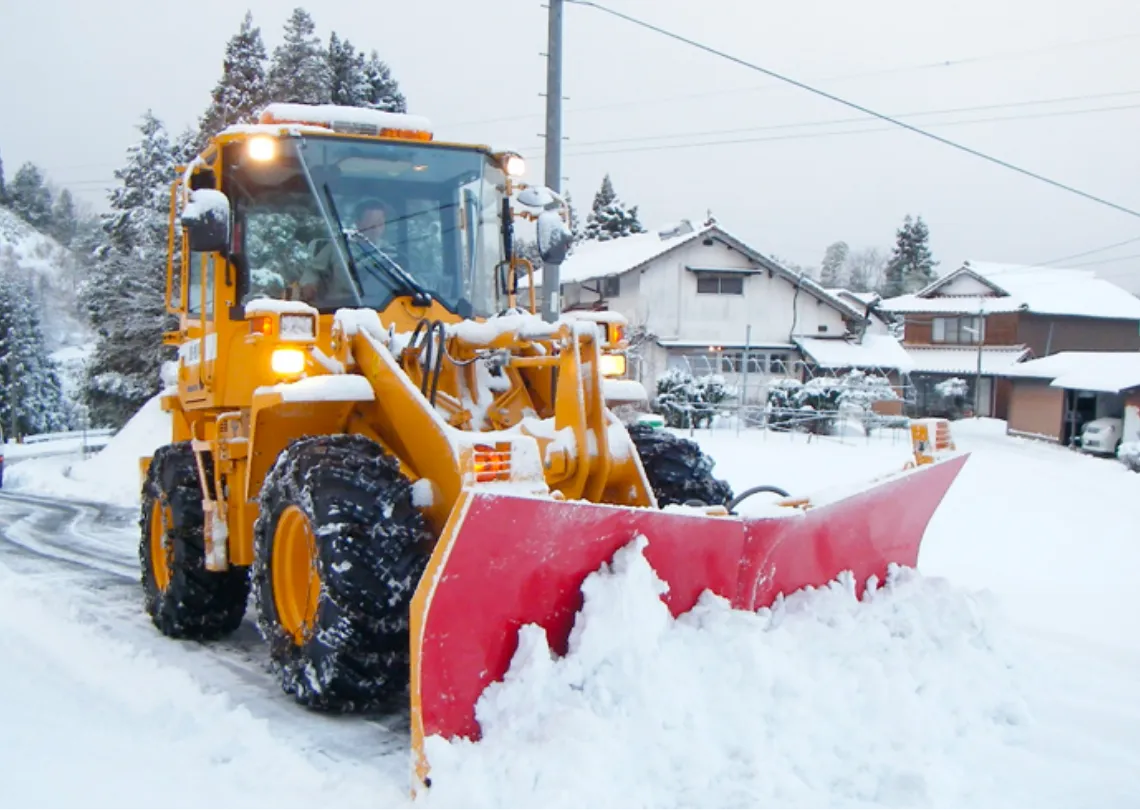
678, 471
339, 550
183, 598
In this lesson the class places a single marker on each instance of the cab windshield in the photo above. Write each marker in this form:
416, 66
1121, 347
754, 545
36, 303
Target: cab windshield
339, 222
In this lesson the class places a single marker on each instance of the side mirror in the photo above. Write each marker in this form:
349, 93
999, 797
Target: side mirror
206, 219
554, 238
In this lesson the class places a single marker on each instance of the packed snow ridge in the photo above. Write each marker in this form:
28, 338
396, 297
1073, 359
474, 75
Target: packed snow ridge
821, 699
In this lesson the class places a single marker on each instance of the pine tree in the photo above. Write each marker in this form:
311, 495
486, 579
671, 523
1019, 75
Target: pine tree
31, 396
609, 218
125, 290
30, 198
63, 219
297, 71
575, 226
911, 266
383, 92
831, 269
347, 81
242, 90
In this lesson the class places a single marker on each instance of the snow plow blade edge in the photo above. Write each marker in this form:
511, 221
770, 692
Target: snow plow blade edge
505, 561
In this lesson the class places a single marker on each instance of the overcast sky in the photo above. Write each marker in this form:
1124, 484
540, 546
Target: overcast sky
76, 76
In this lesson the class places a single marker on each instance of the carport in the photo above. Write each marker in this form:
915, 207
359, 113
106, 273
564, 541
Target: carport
1053, 397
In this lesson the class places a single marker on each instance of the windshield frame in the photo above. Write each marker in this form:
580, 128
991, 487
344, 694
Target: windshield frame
471, 252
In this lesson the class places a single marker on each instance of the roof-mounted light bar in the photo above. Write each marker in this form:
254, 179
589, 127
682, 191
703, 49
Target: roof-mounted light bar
350, 120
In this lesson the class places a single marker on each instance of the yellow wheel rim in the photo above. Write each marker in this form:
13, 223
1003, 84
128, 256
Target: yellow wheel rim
296, 583
160, 551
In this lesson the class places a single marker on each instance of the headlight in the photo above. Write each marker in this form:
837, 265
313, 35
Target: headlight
612, 365
514, 165
261, 148
287, 362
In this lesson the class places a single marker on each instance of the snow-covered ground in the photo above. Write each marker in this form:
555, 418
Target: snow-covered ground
1002, 673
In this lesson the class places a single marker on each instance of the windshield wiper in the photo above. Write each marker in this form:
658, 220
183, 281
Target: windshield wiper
405, 283
347, 249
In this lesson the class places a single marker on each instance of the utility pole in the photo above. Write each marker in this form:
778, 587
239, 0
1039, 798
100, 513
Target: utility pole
551, 278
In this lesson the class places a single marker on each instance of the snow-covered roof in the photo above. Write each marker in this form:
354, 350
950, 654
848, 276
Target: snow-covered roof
964, 360
876, 351
1015, 287
864, 298
592, 259
1111, 372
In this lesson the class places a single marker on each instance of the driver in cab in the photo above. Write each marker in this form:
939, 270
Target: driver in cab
322, 280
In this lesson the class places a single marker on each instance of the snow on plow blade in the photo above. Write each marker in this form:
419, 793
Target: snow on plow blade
505, 561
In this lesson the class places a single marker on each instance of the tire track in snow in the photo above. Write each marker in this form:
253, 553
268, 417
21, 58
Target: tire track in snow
91, 549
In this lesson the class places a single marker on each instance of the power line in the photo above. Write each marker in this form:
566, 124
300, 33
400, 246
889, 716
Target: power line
861, 119
809, 135
944, 63
859, 107
1089, 252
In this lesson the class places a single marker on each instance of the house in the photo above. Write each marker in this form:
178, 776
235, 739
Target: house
697, 297
979, 321
1053, 397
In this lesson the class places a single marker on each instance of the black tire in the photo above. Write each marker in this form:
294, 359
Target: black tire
196, 603
677, 470
372, 545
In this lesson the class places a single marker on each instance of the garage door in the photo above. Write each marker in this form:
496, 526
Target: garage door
1036, 409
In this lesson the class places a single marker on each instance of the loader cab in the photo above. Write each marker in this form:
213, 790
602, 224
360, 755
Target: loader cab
352, 222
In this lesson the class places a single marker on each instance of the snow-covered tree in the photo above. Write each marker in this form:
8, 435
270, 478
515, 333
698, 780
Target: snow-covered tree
609, 218
864, 269
30, 198
125, 289
574, 225
31, 396
345, 80
687, 401
383, 91
831, 268
911, 266
297, 72
242, 90
64, 222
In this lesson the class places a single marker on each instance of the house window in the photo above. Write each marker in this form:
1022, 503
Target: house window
611, 287
965, 329
720, 285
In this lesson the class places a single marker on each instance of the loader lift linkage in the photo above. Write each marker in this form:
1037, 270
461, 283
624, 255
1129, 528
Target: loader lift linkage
399, 463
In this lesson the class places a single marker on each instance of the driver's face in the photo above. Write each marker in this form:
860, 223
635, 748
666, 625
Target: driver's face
372, 223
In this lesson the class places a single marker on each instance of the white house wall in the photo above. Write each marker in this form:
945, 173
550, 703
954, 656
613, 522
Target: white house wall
663, 297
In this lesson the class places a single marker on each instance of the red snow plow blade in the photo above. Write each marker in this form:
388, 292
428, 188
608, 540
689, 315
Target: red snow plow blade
505, 561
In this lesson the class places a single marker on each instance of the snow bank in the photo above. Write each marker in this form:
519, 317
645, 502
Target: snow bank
822, 700
110, 476
90, 720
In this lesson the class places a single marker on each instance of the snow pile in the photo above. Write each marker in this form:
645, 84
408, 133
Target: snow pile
903, 699
112, 475
90, 720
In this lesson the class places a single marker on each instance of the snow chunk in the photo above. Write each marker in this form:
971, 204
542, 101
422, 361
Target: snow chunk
423, 493
266, 306
325, 388
623, 391
526, 325
353, 321
207, 202
331, 115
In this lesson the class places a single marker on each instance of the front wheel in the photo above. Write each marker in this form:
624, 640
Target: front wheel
183, 598
678, 471
338, 552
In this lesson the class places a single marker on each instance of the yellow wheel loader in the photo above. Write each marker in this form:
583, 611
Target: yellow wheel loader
398, 462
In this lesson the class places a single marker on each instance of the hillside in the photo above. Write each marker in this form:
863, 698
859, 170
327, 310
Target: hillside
56, 273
